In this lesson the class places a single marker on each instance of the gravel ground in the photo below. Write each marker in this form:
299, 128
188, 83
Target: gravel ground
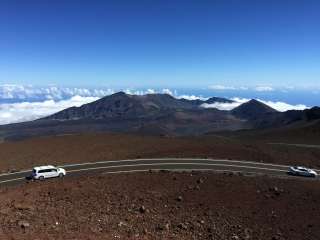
161, 205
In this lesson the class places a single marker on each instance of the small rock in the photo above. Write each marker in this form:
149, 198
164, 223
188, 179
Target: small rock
142, 209
179, 199
24, 224
200, 180
120, 224
23, 207
235, 237
247, 233
160, 228
182, 226
267, 196
4, 211
167, 226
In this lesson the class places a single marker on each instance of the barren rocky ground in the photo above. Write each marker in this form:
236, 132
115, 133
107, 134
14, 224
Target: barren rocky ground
161, 205
157, 205
98, 147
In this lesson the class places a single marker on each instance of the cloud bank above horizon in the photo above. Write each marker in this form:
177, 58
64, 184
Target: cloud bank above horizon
27, 103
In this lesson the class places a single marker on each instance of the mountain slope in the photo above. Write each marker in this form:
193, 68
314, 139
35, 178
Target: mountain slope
124, 106
218, 100
158, 114
253, 110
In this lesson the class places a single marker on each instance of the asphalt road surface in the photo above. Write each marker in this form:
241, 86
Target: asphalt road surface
296, 145
174, 164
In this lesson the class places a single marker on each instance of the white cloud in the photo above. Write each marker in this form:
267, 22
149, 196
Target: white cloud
221, 106
191, 97
26, 93
167, 91
27, 111
264, 89
226, 106
280, 106
150, 91
243, 88
222, 87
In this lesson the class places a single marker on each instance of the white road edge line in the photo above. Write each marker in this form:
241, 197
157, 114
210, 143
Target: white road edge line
12, 180
178, 169
166, 164
8, 174
179, 159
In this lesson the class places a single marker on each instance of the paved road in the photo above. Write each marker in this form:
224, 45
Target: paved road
136, 165
297, 145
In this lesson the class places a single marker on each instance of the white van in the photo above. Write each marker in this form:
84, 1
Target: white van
48, 171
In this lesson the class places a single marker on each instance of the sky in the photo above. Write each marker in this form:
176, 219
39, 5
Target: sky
56, 54
160, 43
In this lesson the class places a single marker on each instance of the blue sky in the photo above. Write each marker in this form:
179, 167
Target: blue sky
160, 43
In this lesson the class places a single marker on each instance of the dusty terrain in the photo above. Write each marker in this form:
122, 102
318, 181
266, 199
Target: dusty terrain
57, 150
161, 205
157, 205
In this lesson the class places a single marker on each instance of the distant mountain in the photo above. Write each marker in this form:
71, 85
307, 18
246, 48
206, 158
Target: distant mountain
158, 114
253, 110
218, 100
124, 106
311, 114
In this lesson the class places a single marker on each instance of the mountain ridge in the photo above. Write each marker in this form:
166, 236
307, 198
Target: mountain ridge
158, 114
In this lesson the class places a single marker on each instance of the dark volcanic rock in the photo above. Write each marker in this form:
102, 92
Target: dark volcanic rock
125, 106
218, 100
253, 110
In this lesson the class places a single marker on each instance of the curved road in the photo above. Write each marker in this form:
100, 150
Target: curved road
182, 164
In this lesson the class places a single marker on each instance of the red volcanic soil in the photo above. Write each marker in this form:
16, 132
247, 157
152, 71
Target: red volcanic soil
98, 147
162, 205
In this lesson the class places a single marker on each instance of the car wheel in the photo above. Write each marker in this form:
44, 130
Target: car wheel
41, 178
61, 175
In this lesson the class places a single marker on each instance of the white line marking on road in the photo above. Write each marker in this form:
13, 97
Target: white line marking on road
296, 145
12, 180
173, 170
166, 164
8, 174
177, 159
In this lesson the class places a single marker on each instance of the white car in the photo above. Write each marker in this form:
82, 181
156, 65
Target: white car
302, 171
48, 171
